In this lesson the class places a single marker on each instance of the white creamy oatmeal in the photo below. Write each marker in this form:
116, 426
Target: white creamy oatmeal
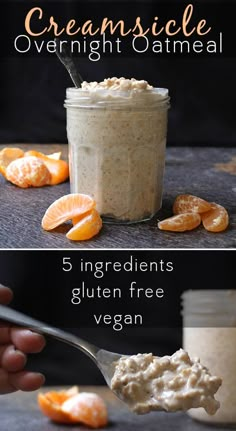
146, 382
117, 135
117, 84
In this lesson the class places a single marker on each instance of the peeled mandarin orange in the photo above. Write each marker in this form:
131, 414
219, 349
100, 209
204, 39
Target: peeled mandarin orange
66, 208
180, 222
86, 227
59, 169
87, 408
190, 203
51, 402
8, 155
215, 220
28, 172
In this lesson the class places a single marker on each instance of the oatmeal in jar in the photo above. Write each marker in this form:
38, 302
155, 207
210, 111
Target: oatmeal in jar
209, 318
117, 136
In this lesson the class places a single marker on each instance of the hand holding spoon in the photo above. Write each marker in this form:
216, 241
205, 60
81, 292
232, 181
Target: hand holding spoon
104, 360
184, 383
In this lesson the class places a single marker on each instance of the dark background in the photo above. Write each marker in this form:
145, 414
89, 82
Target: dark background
202, 89
43, 290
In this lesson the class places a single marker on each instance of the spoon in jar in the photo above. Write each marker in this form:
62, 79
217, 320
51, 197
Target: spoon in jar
64, 55
105, 360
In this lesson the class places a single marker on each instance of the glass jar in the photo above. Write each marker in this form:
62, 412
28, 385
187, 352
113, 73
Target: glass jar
209, 333
117, 145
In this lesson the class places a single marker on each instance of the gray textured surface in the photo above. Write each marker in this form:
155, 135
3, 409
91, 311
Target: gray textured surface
20, 412
188, 170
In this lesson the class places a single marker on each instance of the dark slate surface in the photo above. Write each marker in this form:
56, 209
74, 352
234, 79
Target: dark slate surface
19, 412
188, 170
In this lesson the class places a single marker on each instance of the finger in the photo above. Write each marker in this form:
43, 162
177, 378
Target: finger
12, 360
6, 295
26, 381
27, 341
5, 386
22, 338
5, 334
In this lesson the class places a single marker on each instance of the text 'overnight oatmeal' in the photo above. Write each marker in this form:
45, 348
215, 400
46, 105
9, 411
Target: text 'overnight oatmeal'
171, 383
117, 136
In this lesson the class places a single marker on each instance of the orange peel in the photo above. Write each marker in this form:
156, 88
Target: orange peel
59, 169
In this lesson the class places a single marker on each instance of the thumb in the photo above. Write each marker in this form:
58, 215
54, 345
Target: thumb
6, 294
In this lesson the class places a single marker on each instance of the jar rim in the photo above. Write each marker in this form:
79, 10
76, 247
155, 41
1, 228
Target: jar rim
160, 90
227, 293
100, 98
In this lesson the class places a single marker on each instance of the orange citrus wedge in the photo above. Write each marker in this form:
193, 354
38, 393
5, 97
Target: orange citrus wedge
59, 169
70, 407
180, 222
85, 227
215, 220
87, 408
190, 203
50, 404
8, 155
66, 208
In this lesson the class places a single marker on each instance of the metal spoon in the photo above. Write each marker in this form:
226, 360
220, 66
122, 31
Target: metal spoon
64, 55
104, 359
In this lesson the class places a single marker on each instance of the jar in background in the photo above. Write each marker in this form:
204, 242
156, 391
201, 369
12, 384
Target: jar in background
209, 333
117, 143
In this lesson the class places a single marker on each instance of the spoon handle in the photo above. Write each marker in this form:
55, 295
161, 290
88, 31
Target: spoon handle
64, 55
20, 319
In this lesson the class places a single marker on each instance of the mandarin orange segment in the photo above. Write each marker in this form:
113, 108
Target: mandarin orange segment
76, 219
86, 227
70, 407
181, 222
51, 402
52, 410
66, 208
87, 408
190, 203
59, 397
28, 172
59, 169
8, 155
215, 220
